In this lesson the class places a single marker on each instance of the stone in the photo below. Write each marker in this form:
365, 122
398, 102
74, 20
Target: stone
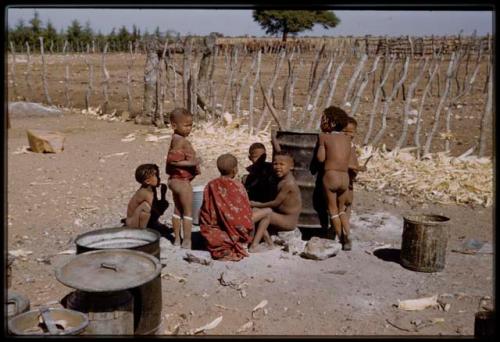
320, 249
199, 257
32, 109
232, 278
45, 141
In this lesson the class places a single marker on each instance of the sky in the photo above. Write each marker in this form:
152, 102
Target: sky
240, 22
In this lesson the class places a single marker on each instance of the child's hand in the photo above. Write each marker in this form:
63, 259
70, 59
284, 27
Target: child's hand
253, 204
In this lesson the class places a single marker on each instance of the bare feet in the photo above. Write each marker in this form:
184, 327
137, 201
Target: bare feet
347, 245
177, 242
263, 247
186, 244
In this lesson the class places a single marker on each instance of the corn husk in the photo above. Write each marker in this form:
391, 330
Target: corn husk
435, 178
418, 304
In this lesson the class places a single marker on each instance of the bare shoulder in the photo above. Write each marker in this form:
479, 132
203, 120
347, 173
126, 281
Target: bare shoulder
177, 141
144, 194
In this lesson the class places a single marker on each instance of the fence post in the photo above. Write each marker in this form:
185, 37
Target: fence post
105, 82
28, 72
13, 70
44, 74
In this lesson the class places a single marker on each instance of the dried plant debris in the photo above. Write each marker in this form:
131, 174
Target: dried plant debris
436, 177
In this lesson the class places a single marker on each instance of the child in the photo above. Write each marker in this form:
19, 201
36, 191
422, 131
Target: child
225, 215
354, 167
182, 166
142, 209
259, 183
334, 150
283, 212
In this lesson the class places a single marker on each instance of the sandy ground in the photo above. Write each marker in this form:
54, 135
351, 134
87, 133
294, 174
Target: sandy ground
52, 198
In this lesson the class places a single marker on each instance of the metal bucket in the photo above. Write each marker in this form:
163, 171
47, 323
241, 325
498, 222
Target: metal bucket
148, 297
197, 202
28, 323
109, 313
423, 246
144, 240
16, 304
302, 147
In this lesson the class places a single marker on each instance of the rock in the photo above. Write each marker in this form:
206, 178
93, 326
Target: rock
320, 249
199, 257
125, 115
232, 279
31, 109
45, 141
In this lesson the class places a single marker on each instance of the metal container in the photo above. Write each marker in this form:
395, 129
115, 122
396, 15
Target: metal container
147, 297
423, 246
144, 240
16, 304
308, 174
109, 313
197, 202
484, 324
65, 322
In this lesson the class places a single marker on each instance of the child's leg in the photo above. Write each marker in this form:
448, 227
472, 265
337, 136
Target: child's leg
262, 216
140, 217
344, 218
186, 201
177, 216
335, 183
333, 212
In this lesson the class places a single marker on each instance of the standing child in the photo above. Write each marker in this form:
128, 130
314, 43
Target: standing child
259, 183
283, 212
334, 150
182, 166
354, 167
144, 209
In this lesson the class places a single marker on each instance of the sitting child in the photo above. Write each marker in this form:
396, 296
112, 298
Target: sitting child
225, 215
144, 209
259, 183
282, 213
182, 166
334, 150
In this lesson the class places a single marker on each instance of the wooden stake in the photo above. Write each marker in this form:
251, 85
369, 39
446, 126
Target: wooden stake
44, 74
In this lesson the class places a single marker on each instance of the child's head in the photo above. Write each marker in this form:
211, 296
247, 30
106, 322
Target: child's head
333, 119
148, 174
256, 151
181, 121
282, 164
227, 165
351, 127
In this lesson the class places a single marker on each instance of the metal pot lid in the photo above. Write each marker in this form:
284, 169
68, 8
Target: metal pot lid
109, 270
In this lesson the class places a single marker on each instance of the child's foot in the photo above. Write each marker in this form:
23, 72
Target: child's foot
347, 244
177, 242
186, 244
263, 247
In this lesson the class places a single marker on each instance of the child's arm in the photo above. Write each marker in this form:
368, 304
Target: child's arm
282, 195
274, 142
321, 155
178, 144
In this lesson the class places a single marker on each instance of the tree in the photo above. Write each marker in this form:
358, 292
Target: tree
50, 35
87, 34
74, 34
123, 38
36, 29
293, 22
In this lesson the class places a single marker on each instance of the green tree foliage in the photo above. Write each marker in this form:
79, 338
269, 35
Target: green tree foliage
35, 30
123, 38
87, 35
293, 22
74, 35
50, 36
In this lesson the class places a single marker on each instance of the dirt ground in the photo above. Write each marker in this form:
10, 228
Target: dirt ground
52, 198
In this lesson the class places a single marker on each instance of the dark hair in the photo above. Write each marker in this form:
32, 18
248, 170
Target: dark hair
351, 120
226, 163
256, 146
333, 119
283, 154
145, 171
177, 113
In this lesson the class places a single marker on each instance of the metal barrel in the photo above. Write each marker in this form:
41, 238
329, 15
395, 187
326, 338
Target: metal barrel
109, 313
302, 147
423, 246
16, 304
28, 323
197, 202
148, 297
